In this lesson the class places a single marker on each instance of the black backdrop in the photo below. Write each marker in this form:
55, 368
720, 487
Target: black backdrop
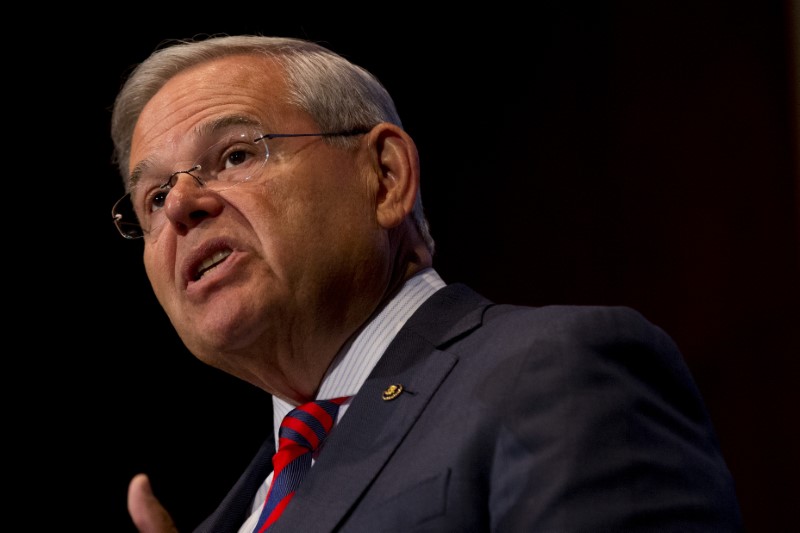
642, 154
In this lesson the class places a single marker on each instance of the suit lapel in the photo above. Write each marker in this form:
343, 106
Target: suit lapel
235, 508
370, 431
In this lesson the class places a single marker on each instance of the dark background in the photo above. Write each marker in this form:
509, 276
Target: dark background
637, 153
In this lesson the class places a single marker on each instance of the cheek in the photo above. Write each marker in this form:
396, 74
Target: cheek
156, 266
306, 220
292, 207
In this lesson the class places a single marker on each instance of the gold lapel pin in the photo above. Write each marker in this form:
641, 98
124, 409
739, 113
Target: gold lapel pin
392, 392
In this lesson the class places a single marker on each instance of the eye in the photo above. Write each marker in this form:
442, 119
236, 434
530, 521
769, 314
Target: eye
158, 197
152, 199
239, 159
236, 158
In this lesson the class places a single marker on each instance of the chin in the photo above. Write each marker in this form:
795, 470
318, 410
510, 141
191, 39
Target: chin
210, 337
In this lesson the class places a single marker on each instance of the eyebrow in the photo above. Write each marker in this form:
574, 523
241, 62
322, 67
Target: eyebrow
205, 129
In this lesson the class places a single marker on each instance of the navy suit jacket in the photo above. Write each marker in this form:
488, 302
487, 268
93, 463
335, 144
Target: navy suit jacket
513, 419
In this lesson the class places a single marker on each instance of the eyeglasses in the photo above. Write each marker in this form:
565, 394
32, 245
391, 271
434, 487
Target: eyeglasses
230, 157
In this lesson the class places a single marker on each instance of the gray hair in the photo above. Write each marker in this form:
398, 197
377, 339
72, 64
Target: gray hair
336, 93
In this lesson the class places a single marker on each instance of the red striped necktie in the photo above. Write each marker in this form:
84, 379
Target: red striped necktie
300, 435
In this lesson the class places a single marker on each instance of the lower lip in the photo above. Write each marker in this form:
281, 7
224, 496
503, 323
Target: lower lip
220, 274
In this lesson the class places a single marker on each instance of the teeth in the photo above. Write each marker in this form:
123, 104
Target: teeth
211, 262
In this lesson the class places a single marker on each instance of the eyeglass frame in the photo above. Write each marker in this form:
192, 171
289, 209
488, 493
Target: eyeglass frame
117, 217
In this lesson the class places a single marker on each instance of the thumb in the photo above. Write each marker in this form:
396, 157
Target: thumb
147, 513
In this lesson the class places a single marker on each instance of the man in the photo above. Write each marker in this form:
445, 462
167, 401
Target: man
277, 196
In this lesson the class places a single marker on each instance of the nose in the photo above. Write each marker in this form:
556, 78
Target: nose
189, 203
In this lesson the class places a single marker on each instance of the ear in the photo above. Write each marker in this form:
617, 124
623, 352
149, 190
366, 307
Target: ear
396, 162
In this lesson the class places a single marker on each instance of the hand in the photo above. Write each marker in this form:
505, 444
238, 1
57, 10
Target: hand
147, 513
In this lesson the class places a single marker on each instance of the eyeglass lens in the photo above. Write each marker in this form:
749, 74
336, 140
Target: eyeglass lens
228, 157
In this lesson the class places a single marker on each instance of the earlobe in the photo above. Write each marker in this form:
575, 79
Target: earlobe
397, 164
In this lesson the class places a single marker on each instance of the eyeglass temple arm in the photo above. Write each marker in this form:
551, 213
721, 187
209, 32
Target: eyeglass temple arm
346, 133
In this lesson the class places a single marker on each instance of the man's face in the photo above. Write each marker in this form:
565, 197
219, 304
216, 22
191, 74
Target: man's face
276, 268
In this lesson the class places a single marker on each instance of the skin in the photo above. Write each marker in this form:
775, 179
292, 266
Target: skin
318, 240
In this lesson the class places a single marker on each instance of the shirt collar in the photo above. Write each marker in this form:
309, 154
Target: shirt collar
354, 362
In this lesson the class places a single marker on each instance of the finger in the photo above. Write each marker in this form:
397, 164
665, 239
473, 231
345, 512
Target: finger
147, 513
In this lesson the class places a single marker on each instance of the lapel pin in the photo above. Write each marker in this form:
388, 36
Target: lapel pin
392, 392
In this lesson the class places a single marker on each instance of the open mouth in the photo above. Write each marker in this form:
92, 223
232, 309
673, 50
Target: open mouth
210, 263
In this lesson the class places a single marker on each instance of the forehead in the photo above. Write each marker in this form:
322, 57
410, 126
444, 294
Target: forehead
249, 86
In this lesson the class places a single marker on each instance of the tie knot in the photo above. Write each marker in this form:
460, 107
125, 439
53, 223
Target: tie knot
308, 425
301, 432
